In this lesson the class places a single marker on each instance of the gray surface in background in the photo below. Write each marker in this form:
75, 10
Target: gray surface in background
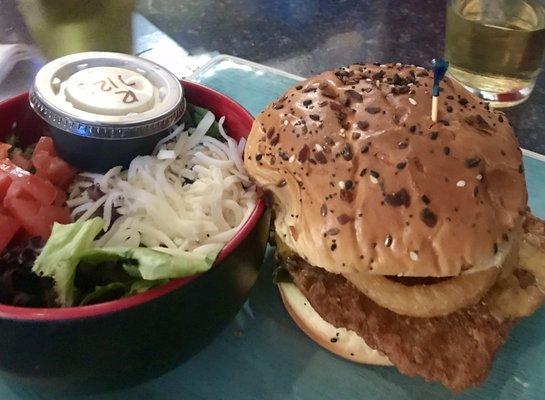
149, 42
303, 37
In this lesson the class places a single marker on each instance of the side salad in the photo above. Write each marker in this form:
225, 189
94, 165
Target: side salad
72, 238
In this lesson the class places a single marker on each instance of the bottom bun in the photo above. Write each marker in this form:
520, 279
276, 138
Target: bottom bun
340, 341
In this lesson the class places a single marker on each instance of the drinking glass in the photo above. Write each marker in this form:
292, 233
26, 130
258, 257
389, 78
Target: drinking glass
495, 47
61, 27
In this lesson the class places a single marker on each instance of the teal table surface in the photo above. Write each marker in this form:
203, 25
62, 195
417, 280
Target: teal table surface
263, 355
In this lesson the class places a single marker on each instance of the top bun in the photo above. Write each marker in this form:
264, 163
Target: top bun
364, 180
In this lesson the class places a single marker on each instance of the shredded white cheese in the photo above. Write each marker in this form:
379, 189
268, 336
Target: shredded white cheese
191, 196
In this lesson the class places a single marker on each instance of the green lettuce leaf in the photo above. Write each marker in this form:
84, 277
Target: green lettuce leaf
143, 285
116, 290
194, 114
104, 293
142, 268
61, 255
149, 264
107, 273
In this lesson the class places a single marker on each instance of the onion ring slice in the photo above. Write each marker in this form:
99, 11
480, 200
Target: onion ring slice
532, 259
508, 298
426, 301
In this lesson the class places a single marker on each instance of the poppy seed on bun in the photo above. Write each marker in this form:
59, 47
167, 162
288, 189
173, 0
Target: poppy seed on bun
363, 179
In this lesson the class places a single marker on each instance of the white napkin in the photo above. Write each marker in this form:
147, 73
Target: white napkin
11, 54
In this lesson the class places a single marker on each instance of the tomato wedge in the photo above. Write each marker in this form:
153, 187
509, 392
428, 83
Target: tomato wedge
60, 172
4, 149
40, 189
60, 199
53, 168
21, 161
51, 214
46, 144
31, 203
35, 219
33, 187
8, 167
5, 181
10, 226
25, 211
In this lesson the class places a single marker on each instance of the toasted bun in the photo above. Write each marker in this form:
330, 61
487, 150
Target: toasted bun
344, 343
363, 180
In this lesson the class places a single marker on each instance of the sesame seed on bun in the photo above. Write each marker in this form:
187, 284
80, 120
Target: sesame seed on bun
363, 180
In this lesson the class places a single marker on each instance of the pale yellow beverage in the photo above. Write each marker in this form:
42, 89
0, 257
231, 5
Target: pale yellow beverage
61, 27
495, 47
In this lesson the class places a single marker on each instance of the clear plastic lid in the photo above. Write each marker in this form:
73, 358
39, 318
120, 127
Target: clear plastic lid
107, 95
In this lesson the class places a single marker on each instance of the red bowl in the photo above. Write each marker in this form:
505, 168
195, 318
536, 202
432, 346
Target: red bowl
79, 349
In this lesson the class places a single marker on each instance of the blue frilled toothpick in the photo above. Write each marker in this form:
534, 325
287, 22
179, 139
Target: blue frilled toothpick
439, 68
